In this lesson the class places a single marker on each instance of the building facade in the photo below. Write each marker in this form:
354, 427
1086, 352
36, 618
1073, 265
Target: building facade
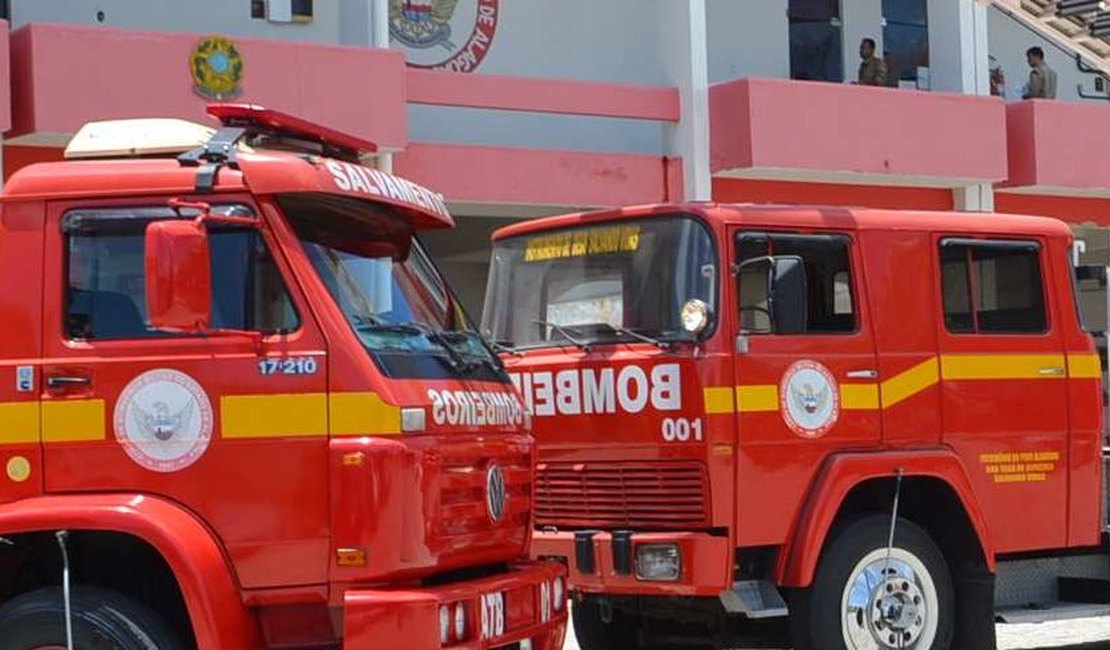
520, 108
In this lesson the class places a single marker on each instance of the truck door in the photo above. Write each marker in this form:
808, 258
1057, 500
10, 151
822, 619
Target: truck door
229, 428
801, 395
1004, 385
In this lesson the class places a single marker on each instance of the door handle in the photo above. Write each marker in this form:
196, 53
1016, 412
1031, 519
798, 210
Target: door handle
863, 374
66, 381
1051, 372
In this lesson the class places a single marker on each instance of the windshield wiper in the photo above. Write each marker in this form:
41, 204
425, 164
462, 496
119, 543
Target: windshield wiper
501, 347
565, 331
662, 345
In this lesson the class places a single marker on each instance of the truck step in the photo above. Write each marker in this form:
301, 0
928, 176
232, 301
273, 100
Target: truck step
1084, 590
1059, 611
754, 599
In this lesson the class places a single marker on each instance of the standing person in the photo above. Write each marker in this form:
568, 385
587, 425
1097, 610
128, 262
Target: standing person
1042, 79
872, 70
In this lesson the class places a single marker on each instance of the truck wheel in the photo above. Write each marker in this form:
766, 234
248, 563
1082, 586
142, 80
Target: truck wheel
862, 600
102, 620
593, 633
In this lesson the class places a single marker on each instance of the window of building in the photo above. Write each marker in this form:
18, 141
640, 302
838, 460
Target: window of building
905, 39
282, 11
992, 287
816, 51
106, 292
830, 307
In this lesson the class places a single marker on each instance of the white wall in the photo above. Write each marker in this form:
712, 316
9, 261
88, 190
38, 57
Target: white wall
228, 17
748, 39
1008, 41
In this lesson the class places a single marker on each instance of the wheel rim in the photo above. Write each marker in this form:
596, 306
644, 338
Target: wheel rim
889, 604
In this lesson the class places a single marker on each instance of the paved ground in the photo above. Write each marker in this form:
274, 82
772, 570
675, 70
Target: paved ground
1083, 634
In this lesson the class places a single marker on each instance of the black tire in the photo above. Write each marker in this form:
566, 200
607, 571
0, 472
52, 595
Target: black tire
102, 620
593, 633
816, 616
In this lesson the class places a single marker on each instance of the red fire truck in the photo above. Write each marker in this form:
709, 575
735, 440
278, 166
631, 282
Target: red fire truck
860, 428
240, 408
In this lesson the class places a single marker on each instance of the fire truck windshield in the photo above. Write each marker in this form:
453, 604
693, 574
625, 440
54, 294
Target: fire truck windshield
620, 281
375, 269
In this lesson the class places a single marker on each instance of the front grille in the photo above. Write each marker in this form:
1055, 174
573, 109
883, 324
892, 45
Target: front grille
662, 496
463, 516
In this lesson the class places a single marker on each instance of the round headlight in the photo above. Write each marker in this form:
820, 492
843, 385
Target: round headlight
557, 594
444, 625
695, 315
460, 622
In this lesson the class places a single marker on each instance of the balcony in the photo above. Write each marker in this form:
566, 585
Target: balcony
773, 129
1058, 149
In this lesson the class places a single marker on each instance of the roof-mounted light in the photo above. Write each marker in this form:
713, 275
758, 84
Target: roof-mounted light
137, 137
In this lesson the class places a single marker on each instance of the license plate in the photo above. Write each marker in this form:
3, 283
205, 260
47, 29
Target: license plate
493, 615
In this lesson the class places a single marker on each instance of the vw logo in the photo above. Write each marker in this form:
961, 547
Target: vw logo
495, 492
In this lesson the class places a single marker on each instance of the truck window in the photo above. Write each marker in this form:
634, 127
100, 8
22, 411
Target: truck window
106, 292
992, 287
830, 306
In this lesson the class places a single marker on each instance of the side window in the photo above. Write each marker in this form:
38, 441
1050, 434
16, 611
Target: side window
106, 290
830, 302
992, 287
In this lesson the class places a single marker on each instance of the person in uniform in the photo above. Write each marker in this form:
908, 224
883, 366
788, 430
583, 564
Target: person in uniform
872, 70
1042, 79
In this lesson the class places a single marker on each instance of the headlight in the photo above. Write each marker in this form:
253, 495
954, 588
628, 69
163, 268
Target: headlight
558, 596
694, 315
444, 625
658, 562
460, 622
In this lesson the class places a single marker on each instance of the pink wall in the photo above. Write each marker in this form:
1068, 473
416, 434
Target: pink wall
68, 75
822, 127
5, 81
537, 177
743, 190
1059, 147
543, 95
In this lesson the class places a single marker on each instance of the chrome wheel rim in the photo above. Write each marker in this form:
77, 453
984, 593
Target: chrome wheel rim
889, 604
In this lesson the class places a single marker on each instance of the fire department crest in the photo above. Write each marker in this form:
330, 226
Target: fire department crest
217, 68
809, 399
163, 420
450, 35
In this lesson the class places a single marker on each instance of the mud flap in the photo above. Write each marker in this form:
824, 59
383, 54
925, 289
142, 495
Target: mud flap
974, 587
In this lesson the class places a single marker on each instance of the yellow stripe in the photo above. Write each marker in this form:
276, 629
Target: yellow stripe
265, 416
73, 420
755, 399
910, 382
859, 397
1084, 366
1001, 366
19, 423
718, 399
362, 414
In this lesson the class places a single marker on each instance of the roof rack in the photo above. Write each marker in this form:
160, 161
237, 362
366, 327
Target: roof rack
258, 127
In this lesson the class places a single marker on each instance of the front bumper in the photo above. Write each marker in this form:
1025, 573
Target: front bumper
409, 618
706, 562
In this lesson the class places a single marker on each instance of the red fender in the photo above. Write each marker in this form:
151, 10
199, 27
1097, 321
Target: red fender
216, 610
843, 472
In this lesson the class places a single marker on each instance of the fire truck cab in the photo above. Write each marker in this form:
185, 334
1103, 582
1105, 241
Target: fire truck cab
852, 428
240, 408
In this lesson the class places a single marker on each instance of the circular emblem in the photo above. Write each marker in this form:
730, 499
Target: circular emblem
19, 469
217, 68
163, 419
495, 492
809, 399
452, 35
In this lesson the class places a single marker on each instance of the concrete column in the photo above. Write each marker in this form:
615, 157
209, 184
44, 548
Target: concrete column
683, 53
958, 46
974, 198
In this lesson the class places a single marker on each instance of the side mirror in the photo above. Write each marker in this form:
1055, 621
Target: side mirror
178, 276
773, 294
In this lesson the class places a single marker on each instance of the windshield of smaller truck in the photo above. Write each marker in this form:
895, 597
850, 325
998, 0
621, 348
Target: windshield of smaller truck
600, 283
375, 269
